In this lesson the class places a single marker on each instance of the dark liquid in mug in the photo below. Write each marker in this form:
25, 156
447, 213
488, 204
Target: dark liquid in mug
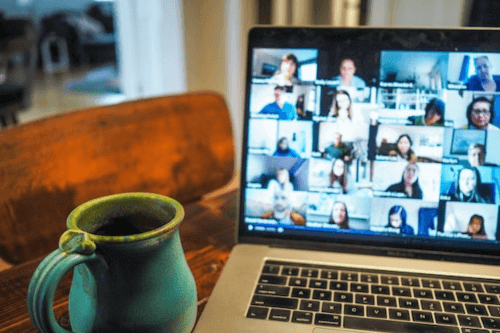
128, 225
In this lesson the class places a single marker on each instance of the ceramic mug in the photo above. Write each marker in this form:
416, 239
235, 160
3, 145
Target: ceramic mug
130, 273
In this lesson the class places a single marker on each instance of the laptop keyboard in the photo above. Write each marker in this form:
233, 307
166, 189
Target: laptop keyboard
375, 300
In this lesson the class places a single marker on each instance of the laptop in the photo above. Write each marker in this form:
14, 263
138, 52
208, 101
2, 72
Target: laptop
369, 195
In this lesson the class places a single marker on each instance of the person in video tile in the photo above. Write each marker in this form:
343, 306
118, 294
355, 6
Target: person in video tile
282, 210
282, 181
409, 183
484, 79
434, 114
338, 175
469, 187
338, 149
475, 228
480, 114
285, 76
397, 219
339, 215
403, 149
280, 106
347, 77
283, 149
475, 155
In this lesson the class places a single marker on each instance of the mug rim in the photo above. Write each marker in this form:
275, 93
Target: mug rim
79, 213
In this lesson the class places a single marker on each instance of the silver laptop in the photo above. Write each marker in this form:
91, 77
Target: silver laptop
369, 184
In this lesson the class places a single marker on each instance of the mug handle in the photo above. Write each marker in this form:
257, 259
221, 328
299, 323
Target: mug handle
75, 247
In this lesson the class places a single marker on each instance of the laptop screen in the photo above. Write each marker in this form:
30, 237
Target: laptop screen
373, 136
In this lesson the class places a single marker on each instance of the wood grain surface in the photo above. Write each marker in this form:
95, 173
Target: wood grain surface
207, 235
179, 146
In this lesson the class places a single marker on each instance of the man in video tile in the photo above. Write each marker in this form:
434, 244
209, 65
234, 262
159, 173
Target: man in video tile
280, 106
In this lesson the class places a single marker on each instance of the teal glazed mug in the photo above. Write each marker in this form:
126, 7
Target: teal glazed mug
130, 272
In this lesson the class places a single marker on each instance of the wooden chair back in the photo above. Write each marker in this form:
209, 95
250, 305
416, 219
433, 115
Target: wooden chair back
180, 146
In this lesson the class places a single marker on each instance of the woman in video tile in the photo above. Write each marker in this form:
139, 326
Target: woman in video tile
403, 149
283, 149
480, 114
484, 80
434, 114
285, 76
339, 215
469, 187
475, 154
475, 228
409, 183
397, 220
282, 181
339, 175
342, 111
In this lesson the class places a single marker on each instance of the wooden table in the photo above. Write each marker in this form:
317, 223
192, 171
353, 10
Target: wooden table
207, 235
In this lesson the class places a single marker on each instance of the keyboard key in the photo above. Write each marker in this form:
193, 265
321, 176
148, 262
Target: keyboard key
349, 276
408, 303
280, 315
491, 322
492, 288
422, 293
422, 316
475, 309
392, 280
338, 286
359, 287
453, 307
290, 271
469, 321
331, 275
452, 285
380, 290
271, 269
309, 272
322, 295
377, 325
376, 312
399, 314
301, 292
302, 317
430, 305
275, 302
488, 299
386, 301
476, 330
265, 289
434, 284
318, 284
272, 279
401, 291
494, 310
257, 313
343, 297
309, 305
444, 295
411, 282
327, 320
475, 287
445, 318
369, 278
297, 282
354, 310
365, 299
466, 297
331, 307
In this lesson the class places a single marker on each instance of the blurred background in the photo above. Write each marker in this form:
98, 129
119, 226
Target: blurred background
60, 55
